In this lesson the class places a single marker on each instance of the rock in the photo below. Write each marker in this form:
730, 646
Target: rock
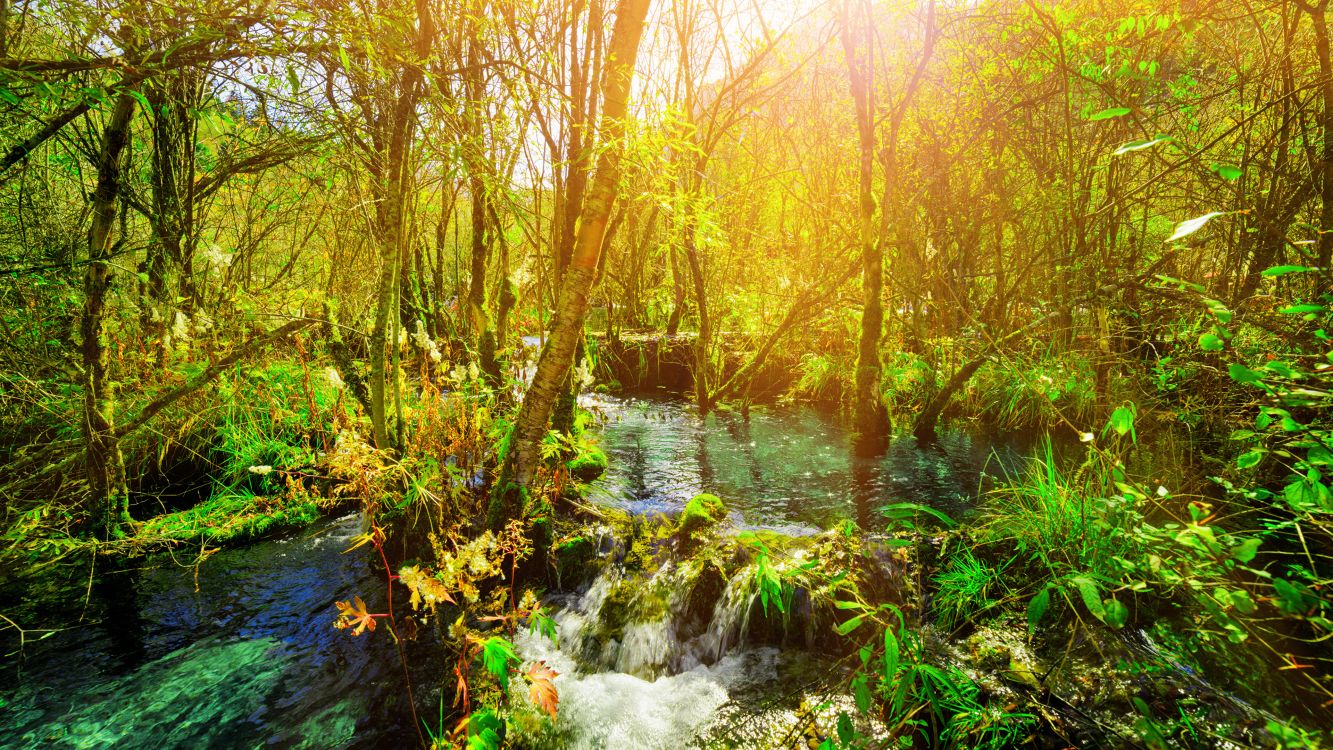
703, 511
1022, 674
589, 464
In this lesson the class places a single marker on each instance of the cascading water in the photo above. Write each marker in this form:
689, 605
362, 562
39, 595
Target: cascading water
667, 658
634, 674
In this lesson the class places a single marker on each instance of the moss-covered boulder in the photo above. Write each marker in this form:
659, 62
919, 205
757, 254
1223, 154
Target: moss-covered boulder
589, 464
703, 511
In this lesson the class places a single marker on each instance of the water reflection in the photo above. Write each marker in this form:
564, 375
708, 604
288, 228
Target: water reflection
786, 468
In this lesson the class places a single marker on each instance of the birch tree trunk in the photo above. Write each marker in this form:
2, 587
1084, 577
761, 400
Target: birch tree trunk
576, 284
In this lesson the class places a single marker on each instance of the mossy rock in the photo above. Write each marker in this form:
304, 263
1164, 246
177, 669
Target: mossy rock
589, 464
631, 600
575, 560
701, 512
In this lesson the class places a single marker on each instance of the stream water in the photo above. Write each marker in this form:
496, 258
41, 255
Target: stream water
241, 652
249, 659
789, 469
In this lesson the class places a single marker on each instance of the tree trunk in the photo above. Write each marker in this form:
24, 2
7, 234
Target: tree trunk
482, 231
388, 276
871, 416
173, 100
678, 293
572, 306
1325, 254
391, 176
106, 468
924, 429
703, 344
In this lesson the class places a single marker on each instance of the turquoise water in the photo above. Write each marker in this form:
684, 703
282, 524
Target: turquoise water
785, 468
251, 659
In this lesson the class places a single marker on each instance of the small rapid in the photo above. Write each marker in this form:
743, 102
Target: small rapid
641, 668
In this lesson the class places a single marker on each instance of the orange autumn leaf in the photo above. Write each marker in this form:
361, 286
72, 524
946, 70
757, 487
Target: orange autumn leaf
542, 690
353, 614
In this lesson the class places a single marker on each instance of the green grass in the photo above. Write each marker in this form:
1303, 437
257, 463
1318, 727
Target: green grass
1059, 520
965, 589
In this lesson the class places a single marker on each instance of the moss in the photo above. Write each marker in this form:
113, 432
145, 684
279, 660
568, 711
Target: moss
631, 600
589, 464
229, 518
701, 512
575, 560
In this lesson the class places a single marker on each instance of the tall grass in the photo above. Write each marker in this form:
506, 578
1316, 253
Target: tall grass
1061, 521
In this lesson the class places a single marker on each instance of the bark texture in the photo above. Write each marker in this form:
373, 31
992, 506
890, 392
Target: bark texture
106, 468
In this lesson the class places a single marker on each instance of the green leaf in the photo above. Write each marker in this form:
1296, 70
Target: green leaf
1242, 374
1107, 114
1246, 550
1250, 458
1121, 420
496, 655
1283, 270
1241, 600
1037, 608
861, 692
141, 99
1301, 309
1228, 172
1186, 228
1291, 598
1210, 342
8, 96
1087, 590
1117, 614
890, 655
483, 730
904, 511
1140, 145
1218, 310
846, 733
850, 625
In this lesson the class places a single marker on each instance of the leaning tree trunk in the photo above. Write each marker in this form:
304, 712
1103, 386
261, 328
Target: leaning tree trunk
106, 468
924, 429
572, 303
